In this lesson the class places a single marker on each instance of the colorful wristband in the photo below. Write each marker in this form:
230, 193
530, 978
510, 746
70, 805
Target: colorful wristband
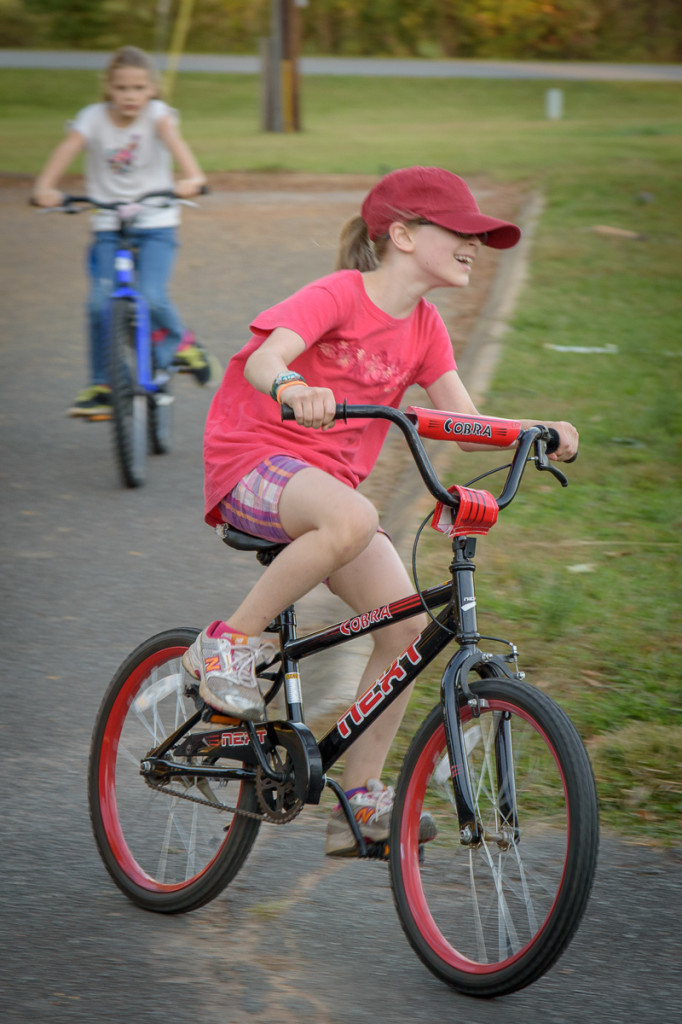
283, 378
289, 384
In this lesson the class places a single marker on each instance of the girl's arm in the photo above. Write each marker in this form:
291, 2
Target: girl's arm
45, 192
313, 406
192, 177
448, 393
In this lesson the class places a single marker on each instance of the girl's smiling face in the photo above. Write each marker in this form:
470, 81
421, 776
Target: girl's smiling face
128, 91
446, 256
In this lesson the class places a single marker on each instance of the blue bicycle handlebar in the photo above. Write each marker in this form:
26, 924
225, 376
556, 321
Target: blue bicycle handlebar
69, 200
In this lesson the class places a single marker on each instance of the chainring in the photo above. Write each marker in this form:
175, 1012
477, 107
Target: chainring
277, 800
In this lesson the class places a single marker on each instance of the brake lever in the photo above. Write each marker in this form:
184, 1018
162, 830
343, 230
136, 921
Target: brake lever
543, 464
551, 468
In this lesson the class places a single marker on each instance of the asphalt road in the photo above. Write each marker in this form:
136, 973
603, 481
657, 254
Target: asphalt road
89, 570
370, 66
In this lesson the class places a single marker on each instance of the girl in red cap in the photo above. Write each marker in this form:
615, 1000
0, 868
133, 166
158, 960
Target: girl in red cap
364, 334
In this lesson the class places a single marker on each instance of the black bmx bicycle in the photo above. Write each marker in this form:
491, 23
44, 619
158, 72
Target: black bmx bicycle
178, 793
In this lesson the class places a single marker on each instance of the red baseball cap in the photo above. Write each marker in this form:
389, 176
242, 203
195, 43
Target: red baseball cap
436, 195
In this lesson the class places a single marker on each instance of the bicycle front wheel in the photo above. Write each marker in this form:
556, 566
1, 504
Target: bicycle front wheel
160, 408
491, 916
129, 402
172, 848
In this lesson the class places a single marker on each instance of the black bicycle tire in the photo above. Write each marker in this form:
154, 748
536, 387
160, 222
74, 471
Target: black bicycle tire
129, 409
160, 425
119, 859
544, 948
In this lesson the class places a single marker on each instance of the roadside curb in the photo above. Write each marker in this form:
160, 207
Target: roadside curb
479, 361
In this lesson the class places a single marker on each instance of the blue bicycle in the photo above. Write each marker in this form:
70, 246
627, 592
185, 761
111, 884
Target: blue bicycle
140, 396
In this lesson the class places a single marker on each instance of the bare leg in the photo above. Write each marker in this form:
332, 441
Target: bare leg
330, 524
375, 578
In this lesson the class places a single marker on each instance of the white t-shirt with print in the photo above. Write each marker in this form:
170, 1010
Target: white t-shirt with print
124, 163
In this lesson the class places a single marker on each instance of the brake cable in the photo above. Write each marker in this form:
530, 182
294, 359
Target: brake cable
418, 534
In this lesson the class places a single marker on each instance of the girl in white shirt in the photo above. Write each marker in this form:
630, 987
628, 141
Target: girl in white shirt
130, 141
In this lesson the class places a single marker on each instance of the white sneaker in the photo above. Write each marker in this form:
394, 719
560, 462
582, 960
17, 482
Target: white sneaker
226, 668
372, 811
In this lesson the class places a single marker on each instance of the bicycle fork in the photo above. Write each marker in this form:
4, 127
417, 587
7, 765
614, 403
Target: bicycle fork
124, 289
455, 681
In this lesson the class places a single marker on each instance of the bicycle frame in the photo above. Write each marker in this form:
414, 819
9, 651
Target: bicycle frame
124, 286
313, 759
124, 289
457, 621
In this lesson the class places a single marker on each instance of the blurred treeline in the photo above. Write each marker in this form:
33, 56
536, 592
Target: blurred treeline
616, 30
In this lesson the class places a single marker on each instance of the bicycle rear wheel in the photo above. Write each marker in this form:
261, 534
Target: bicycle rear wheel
129, 402
492, 917
165, 852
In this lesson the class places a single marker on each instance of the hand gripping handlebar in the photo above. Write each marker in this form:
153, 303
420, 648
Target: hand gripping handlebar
432, 423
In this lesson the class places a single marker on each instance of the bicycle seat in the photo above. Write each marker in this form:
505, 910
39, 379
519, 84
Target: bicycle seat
241, 541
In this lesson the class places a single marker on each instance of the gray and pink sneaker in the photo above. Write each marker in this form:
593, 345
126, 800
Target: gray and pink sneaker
226, 664
372, 807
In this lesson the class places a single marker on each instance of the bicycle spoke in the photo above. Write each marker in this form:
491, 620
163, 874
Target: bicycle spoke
168, 846
481, 913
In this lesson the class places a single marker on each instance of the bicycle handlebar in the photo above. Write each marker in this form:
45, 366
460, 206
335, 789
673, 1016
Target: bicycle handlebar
69, 201
443, 426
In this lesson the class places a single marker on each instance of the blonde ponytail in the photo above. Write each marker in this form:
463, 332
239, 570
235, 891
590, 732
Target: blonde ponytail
355, 252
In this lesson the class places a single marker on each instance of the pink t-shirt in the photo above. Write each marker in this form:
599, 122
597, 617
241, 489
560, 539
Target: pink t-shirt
364, 355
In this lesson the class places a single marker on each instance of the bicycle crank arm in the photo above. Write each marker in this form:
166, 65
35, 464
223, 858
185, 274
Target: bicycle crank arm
304, 753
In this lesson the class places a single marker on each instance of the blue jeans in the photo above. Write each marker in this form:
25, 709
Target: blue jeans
156, 250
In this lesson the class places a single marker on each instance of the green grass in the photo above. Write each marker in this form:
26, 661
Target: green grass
599, 564
584, 580
366, 125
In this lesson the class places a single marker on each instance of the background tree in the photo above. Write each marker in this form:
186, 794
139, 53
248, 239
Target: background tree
621, 30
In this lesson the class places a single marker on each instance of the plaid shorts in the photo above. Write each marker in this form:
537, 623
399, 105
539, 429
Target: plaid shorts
253, 505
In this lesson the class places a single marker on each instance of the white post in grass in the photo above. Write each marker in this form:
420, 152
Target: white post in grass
554, 104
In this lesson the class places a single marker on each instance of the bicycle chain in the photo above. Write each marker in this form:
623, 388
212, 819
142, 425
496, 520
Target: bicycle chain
207, 803
375, 851
280, 817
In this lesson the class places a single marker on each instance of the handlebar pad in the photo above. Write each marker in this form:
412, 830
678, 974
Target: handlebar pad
451, 426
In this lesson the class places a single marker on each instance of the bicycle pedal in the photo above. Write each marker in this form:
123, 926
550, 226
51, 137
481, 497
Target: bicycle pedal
375, 851
217, 720
380, 851
98, 417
